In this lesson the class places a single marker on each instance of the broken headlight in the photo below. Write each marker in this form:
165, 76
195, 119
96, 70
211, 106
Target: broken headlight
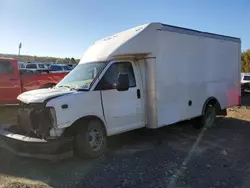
53, 118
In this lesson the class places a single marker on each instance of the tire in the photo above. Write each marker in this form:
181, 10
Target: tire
207, 120
87, 145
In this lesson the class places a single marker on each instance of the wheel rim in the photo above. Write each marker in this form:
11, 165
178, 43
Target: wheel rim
210, 117
95, 139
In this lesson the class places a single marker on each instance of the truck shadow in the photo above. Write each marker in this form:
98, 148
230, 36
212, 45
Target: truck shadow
181, 139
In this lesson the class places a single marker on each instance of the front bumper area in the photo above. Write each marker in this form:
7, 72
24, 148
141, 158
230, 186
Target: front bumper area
34, 147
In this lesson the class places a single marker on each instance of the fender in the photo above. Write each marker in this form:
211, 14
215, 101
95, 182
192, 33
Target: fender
74, 127
215, 102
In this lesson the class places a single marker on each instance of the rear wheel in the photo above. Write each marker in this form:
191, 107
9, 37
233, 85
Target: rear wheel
207, 119
91, 140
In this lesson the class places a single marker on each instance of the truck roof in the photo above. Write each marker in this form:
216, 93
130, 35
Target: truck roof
200, 33
6, 58
139, 40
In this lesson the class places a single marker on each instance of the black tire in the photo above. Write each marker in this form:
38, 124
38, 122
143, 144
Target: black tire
83, 140
207, 119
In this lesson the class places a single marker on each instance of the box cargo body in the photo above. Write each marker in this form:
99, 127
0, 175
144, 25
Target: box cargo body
191, 68
148, 76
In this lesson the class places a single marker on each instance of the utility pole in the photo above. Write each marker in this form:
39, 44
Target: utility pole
19, 48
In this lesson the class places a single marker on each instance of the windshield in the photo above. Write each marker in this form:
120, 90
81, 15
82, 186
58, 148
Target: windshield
82, 75
246, 78
41, 66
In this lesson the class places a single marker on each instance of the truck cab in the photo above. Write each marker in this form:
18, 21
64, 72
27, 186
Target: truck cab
95, 86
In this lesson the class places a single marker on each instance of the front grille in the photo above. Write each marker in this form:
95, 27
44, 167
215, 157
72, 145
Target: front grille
34, 119
24, 119
40, 121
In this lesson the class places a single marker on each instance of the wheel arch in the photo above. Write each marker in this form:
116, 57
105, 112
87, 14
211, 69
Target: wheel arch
212, 101
72, 130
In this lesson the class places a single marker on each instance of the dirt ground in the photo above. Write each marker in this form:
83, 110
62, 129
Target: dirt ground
217, 157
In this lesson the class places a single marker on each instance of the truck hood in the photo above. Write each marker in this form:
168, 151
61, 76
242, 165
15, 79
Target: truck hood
40, 95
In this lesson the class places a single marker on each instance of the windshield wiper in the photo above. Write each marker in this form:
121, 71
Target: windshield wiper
80, 89
65, 86
74, 88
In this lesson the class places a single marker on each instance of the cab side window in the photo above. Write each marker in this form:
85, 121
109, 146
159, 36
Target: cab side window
6, 67
31, 66
110, 77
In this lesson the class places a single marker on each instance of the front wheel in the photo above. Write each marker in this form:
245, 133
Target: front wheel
91, 140
207, 119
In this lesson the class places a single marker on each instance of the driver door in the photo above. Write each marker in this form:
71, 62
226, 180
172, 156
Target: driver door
123, 110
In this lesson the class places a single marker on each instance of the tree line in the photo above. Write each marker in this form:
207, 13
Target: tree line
28, 58
245, 61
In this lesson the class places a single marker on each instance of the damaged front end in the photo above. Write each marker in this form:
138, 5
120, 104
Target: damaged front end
31, 137
35, 120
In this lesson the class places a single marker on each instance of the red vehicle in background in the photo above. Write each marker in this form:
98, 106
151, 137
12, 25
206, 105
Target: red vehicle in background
14, 81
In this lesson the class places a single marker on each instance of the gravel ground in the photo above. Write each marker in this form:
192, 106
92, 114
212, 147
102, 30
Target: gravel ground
217, 157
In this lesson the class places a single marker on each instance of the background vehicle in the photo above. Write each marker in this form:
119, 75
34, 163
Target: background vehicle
245, 81
36, 66
14, 81
47, 65
21, 65
140, 80
59, 68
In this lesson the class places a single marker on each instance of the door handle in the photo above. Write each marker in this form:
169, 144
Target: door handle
138, 93
13, 79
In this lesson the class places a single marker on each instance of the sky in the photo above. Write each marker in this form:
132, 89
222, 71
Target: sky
66, 28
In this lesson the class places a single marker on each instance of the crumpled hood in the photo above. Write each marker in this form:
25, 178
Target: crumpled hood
40, 95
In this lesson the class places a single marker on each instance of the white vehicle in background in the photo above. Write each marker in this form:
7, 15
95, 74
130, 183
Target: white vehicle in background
142, 77
34, 66
58, 68
21, 65
245, 81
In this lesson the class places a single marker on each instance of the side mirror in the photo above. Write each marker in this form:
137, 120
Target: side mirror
122, 83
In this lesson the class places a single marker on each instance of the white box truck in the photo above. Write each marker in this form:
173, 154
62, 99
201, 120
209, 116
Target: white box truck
149, 76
